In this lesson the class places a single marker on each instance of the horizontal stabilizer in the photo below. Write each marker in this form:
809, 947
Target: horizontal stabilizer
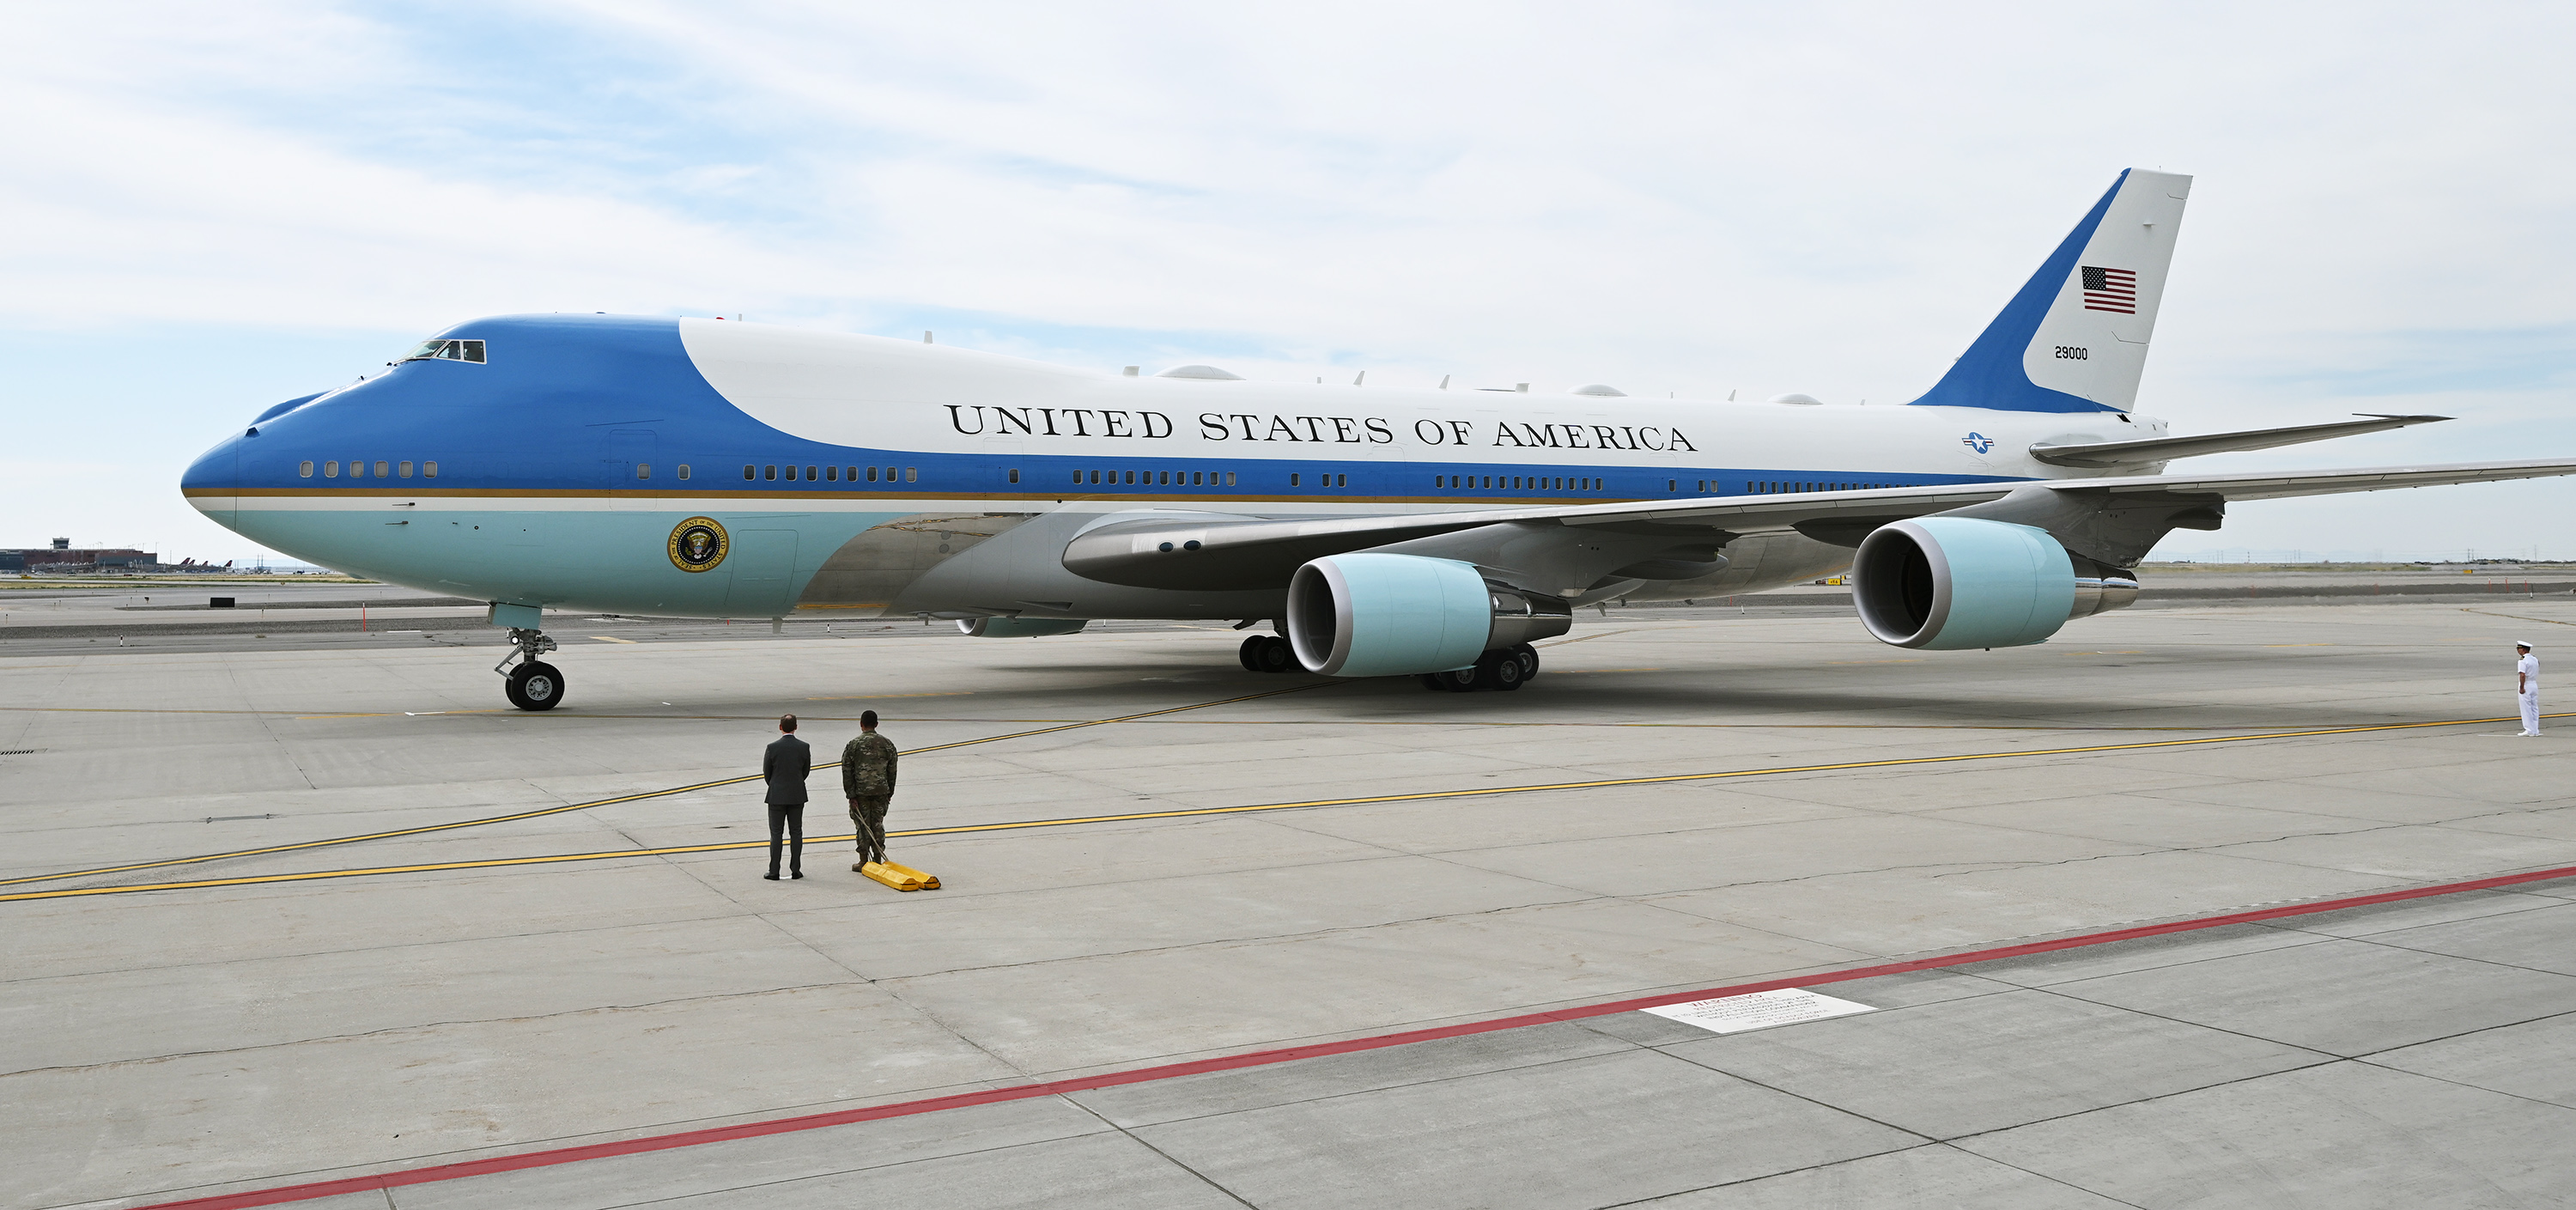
2163, 449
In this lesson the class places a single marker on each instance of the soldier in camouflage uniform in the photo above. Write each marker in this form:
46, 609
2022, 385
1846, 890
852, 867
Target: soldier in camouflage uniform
867, 779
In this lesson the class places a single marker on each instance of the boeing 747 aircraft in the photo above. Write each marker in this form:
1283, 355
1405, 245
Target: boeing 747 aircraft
707, 468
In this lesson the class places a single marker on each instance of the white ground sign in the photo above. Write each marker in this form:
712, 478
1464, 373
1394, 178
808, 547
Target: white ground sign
1760, 1010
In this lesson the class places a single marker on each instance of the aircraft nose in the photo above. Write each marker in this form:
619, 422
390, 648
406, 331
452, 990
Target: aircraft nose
212, 483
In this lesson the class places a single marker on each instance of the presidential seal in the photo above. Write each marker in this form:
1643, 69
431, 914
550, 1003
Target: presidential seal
697, 544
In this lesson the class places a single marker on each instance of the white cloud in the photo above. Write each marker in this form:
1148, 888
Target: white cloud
1830, 199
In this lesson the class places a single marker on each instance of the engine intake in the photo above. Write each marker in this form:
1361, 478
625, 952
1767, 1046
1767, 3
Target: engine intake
1371, 614
1952, 583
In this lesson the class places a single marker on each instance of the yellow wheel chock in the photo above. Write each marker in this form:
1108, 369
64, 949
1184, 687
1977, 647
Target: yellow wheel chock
900, 877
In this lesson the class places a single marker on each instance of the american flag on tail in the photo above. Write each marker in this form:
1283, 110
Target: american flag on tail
2110, 290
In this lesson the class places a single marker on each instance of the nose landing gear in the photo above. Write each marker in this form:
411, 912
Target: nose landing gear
534, 684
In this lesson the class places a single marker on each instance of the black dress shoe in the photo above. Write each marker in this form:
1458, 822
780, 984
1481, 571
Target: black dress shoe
772, 875
796, 874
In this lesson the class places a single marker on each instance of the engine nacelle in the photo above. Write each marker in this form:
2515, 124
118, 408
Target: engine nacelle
1018, 628
1389, 615
1952, 583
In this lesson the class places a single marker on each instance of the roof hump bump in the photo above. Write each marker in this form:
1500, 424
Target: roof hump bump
1798, 400
1197, 371
1603, 389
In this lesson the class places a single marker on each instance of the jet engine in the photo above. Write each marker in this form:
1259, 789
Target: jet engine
1951, 583
1370, 614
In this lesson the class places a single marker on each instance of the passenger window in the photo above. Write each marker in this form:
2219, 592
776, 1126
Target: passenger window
684, 475
831, 474
381, 469
331, 470
357, 469
911, 474
305, 470
643, 470
889, 474
429, 470
769, 471
746, 471
1341, 481
872, 474
1292, 480
403, 470
1229, 478
1015, 477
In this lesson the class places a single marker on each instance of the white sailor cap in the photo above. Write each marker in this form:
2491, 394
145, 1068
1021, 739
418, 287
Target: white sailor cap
2524, 646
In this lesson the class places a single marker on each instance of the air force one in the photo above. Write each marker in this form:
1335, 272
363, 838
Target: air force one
707, 468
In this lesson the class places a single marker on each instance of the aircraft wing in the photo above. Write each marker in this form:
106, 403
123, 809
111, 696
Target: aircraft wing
1204, 550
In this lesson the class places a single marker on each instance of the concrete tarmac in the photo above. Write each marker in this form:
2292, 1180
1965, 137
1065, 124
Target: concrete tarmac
2150, 765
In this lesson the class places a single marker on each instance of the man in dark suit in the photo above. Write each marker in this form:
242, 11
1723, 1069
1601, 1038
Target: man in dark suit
785, 766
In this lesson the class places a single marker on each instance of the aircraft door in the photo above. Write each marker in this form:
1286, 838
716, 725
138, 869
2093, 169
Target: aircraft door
629, 468
764, 565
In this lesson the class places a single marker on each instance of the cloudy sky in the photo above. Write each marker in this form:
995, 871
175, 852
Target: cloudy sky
209, 209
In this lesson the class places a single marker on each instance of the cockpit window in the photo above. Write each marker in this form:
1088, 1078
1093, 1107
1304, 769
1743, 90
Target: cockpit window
447, 350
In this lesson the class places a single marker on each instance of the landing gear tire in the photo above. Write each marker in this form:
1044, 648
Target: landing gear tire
535, 685
1502, 670
1528, 657
1268, 653
1458, 680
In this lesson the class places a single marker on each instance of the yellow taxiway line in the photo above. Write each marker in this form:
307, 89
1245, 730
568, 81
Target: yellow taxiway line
1196, 812
605, 802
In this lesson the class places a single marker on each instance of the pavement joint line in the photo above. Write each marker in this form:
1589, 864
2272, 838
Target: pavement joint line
1436, 722
1079, 820
2516, 617
604, 802
493, 1165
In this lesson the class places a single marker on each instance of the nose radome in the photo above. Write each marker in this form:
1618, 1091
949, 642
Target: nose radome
213, 482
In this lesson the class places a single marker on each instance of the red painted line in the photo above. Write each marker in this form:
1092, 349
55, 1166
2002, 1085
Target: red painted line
1289, 1054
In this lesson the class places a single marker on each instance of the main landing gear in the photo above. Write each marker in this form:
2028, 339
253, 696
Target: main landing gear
534, 684
1268, 653
1502, 670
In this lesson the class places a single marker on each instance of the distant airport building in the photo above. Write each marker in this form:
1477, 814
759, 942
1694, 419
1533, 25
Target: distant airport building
61, 556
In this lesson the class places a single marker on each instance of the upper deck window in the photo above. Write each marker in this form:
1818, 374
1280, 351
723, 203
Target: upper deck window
435, 349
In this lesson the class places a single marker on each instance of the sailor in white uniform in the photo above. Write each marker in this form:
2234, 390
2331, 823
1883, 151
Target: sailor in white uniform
2526, 687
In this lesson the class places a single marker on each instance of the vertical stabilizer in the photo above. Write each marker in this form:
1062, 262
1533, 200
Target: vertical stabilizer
2074, 339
